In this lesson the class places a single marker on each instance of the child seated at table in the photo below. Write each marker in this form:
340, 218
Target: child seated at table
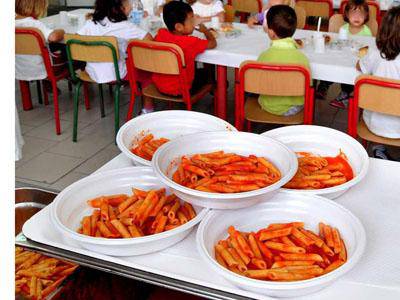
260, 17
282, 21
179, 19
204, 10
356, 15
31, 67
110, 18
384, 62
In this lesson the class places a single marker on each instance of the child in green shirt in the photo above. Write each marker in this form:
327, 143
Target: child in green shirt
282, 22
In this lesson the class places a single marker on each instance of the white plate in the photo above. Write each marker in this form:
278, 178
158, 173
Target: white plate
166, 157
168, 124
284, 207
325, 142
70, 206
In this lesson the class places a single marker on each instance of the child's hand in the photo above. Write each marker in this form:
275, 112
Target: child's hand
202, 28
251, 21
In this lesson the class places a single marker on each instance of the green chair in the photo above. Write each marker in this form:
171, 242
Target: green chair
99, 49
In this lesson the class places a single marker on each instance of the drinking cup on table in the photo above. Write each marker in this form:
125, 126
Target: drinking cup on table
215, 23
63, 17
343, 34
319, 42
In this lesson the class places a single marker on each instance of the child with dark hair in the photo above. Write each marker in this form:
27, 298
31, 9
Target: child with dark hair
110, 18
384, 62
179, 19
282, 22
356, 15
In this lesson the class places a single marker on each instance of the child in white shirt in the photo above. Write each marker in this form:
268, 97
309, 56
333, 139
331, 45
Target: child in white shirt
204, 10
110, 18
384, 62
153, 7
31, 67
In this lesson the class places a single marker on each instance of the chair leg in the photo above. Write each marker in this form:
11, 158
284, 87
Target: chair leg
25, 95
76, 108
56, 107
116, 108
86, 95
101, 101
69, 86
131, 106
248, 125
39, 91
45, 95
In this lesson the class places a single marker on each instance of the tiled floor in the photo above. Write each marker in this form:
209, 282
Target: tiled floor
54, 162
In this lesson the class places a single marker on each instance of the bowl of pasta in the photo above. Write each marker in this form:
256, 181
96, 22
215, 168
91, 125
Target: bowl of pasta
140, 137
123, 212
224, 170
330, 161
290, 246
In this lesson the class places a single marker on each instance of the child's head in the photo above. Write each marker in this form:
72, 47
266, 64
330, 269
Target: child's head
281, 21
356, 12
179, 18
388, 38
115, 10
31, 8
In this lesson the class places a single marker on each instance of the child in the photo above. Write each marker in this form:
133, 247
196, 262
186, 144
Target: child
31, 67
384, 62
282, 22
204, 10
110, 18
179, 19
260, 17
356, 15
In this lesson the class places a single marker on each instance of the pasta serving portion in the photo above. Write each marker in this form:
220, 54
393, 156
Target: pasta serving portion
142, 213
282, 252
147, 145
318, 172
221, 172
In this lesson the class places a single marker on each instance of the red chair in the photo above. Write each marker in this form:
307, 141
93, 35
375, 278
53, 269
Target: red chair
275, 80
374, 10
375, 94
162, 58
30, 41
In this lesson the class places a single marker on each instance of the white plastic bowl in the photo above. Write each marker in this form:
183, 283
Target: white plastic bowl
168, 124
325, 142
167, 156
284, 207
70, 206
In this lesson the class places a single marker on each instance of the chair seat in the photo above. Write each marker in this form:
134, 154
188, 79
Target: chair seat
152, 92
83, 75
366, 134
253, 112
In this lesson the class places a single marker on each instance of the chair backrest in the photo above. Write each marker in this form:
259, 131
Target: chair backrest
273, 79
373, 6
29, 41
301, 17
378, 94
229, 13
337, 21
247, 6
156, 57
92, 48
318, 8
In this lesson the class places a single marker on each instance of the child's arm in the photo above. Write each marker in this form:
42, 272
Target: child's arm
56, 36
221, 16
212, 42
